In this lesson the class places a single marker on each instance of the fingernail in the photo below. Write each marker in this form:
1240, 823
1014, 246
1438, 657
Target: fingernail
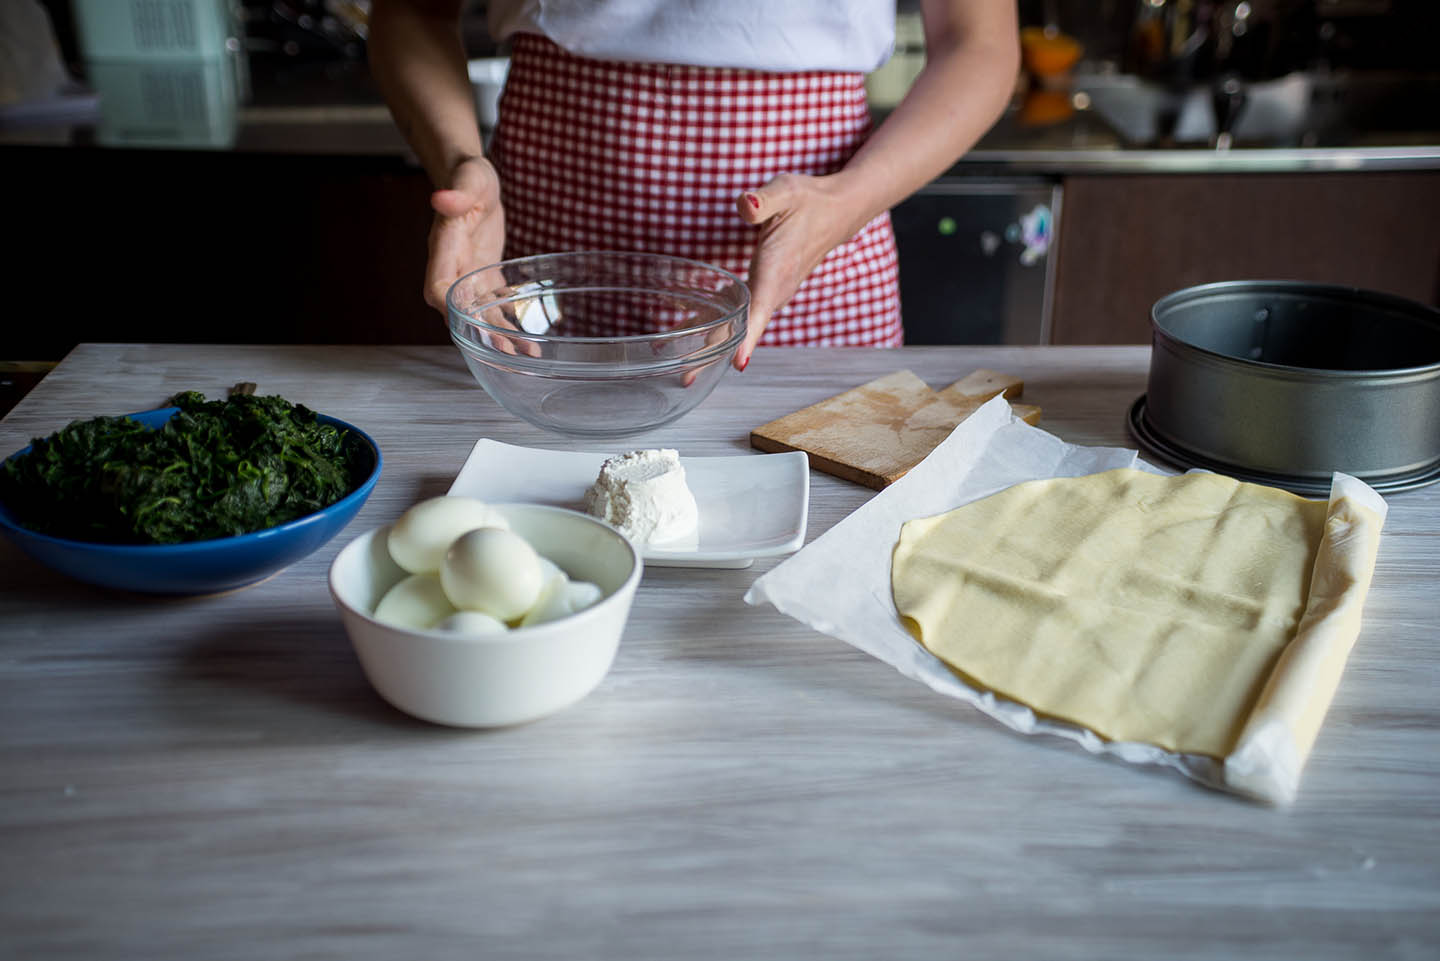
744, 362
753, 200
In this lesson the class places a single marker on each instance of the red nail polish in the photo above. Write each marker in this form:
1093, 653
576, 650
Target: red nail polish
753, 200
744, 363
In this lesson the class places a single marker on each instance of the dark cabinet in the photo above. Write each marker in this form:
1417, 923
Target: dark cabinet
213, 247
1126, 240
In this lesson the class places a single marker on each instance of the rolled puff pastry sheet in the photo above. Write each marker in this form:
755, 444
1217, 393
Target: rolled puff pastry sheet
1196, 613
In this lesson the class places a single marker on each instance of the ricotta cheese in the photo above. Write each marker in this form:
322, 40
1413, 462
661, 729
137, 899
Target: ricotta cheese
643, 494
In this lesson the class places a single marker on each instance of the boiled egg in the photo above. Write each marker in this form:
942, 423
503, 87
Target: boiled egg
549, 570
582, 594
561, 597
492, 570
417, 602
472, 624
551, 602
420, 537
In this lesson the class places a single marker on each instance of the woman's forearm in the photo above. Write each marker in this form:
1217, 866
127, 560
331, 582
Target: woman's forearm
418, 62
972, 55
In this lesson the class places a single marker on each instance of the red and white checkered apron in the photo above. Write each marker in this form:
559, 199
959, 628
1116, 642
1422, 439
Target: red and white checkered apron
605, 155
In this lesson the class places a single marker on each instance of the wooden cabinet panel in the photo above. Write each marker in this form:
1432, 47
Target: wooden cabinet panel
1125, 241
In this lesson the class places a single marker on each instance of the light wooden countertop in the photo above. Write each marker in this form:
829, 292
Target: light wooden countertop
213, 777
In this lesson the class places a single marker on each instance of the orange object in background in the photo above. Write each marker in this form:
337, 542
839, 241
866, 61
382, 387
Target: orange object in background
1041, 107
1047, 52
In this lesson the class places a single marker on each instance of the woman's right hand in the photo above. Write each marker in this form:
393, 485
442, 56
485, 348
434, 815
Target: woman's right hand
469, 227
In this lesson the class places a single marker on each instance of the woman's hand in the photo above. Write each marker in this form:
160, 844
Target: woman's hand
418, 61
801, 219
469, 227
972, 53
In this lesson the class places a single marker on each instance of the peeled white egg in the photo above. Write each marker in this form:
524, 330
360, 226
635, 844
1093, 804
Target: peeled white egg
561, 598
552, 600
582, 595
472, 623
416, 603
549, 569
419, 538
492, 570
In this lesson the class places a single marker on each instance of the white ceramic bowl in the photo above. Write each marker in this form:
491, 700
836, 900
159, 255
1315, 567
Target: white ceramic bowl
504, 679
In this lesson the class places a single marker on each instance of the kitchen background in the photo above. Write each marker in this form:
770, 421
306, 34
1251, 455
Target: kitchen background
224, 171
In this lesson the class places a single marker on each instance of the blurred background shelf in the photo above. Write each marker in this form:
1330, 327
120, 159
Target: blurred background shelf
1100, 188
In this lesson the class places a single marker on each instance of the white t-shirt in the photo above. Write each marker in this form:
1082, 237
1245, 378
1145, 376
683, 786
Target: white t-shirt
772, 35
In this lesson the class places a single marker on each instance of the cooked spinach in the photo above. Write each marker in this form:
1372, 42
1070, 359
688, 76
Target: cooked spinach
215, 469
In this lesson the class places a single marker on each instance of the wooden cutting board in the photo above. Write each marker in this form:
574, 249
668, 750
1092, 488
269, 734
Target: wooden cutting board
873, 434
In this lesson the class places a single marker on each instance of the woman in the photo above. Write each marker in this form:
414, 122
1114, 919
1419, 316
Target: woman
730, 131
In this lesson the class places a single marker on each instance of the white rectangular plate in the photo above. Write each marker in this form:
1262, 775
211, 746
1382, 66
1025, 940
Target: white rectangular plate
751, 505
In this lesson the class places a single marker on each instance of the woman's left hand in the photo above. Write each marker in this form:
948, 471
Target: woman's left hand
972, 53
801, 219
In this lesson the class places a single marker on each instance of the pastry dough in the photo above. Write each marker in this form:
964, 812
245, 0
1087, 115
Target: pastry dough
1143, 607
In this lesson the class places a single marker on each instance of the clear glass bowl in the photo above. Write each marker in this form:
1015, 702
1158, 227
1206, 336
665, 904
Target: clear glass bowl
598, 343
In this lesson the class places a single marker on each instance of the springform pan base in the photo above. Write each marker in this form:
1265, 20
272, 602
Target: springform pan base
1174, 454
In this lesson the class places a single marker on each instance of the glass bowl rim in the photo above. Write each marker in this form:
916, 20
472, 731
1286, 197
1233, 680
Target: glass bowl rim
454, 312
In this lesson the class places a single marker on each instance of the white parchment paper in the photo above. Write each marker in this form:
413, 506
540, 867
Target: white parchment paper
840, 583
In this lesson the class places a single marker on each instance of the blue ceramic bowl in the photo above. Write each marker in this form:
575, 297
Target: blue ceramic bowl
197, 567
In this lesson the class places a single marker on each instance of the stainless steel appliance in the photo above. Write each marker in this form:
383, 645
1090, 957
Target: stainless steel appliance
976, 260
